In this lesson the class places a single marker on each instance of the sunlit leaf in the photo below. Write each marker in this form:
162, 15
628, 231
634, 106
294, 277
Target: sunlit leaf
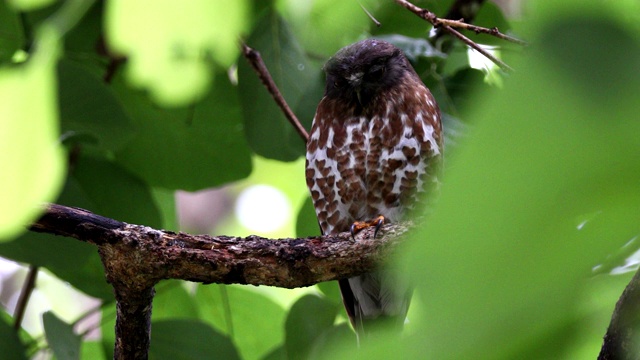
174, 61
28, 5
31, 158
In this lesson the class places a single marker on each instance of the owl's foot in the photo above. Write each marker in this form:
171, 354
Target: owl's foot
358, 226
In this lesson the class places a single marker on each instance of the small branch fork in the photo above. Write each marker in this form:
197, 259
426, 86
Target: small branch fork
137, 257
451, 25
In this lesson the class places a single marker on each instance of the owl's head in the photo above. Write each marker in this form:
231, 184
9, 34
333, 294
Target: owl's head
358, 72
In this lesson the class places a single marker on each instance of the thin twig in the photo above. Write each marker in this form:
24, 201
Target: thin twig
375, 21
23, 300
477, 47
460, 24
258, 65
449, 25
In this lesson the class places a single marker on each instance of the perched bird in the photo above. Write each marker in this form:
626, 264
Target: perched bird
375, 144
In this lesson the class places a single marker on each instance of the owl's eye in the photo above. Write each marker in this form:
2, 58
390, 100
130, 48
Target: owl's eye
376, 72
338, 83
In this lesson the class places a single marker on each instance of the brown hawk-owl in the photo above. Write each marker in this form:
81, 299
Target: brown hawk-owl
376, 142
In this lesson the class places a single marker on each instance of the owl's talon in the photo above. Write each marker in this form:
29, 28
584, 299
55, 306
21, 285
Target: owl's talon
353, 231
379, 221
358, 226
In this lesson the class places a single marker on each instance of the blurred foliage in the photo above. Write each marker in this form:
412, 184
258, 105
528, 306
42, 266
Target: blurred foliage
540, 188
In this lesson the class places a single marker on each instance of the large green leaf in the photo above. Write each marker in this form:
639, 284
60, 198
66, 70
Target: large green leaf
173, 61
61, 338
267, 130
309, 318
189, 339
115, 192
31, 157
89, 109
503, 264
190, 148
252, 320
552, 148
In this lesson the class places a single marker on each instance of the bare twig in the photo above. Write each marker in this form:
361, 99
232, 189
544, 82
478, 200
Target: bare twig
478, 48
449, 25
258, 65
23, 300
460, 24
375, 21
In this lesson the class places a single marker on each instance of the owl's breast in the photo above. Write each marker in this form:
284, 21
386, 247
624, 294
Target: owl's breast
368, 165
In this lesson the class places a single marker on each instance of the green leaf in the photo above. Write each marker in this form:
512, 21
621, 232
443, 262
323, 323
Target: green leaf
331, 291
174, 60
115, 192
29, 5
173, 301
69, 259
191, 148
490, 16
30, 156
61, 338
252, 320
278, 353
308, 319
396, 19
11, 34
93, 350
107, 328
342, 23
189, 339
10, 345
307, 222
335, 339
90, 109
507, 282
414, 48
267, 130
166, 202
106, 189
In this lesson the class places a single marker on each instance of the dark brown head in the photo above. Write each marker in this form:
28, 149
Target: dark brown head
358, 72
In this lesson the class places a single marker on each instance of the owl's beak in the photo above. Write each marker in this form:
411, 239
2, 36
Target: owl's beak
355, 80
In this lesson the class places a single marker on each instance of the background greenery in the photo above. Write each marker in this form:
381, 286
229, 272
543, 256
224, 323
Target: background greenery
539, 201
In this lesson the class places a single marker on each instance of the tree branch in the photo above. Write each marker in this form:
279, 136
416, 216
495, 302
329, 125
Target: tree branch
137, 257
449, 25
23, 300
141, 256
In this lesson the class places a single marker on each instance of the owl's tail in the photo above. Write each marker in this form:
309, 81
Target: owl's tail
377, 303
